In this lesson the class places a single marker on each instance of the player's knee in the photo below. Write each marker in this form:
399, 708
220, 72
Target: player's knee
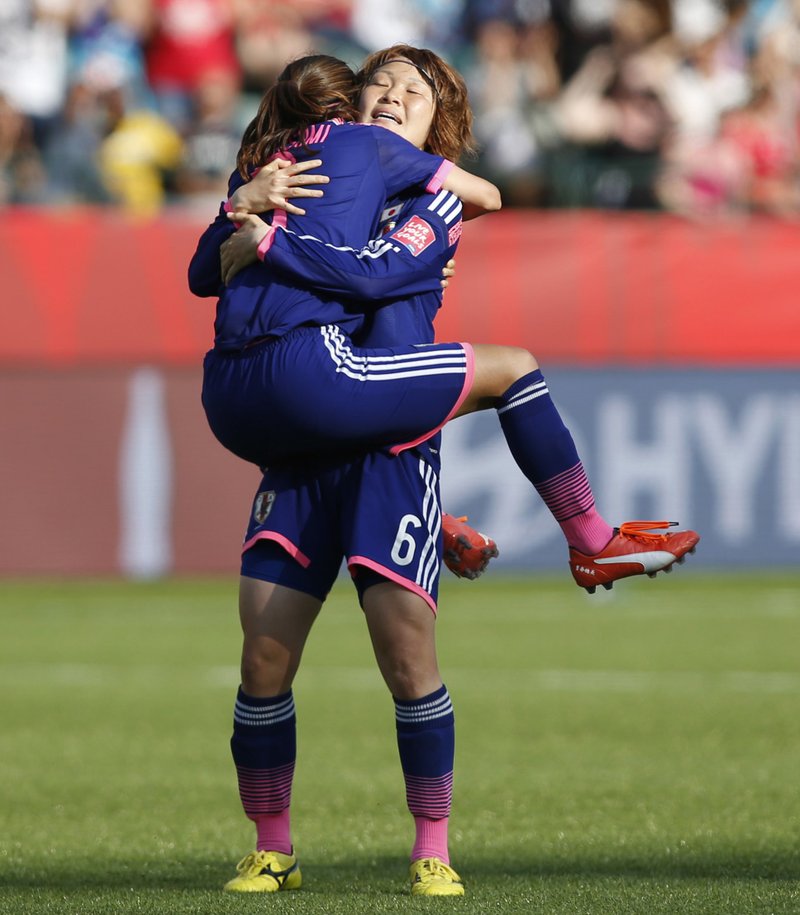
260, 674
522, 362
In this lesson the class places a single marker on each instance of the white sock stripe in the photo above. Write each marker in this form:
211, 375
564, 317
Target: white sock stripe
263, 715
519, 403
426, 711
531, 387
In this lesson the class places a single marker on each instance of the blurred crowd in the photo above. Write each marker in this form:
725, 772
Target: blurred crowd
689, 106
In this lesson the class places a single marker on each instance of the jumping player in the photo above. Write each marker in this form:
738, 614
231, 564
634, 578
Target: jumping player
277, 389
304, 519
258, 872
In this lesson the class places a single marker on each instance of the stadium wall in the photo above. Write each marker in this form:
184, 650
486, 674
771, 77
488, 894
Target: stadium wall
672, 349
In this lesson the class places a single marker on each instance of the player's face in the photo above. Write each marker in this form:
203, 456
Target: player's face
398, 98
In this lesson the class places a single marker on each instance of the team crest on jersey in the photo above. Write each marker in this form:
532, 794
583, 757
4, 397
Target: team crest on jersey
263, 505
391, 212
416, 235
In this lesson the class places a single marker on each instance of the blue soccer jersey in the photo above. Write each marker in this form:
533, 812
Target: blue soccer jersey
381, 512
318, 392
367, 165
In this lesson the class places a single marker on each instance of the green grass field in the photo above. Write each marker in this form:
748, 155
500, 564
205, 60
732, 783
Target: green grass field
638, 753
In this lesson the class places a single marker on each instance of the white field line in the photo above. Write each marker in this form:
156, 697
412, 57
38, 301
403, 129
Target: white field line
22, 675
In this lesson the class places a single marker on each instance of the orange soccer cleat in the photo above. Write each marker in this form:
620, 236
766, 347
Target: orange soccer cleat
637, 548
466, 552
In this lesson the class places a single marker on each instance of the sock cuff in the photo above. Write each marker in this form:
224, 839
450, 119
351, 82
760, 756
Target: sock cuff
257, 712
526, 389
432, 710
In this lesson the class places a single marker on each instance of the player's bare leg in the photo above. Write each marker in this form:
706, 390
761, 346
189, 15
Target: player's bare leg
509, 379
402, 629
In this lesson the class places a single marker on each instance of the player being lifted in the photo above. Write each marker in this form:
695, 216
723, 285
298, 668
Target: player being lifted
285, 381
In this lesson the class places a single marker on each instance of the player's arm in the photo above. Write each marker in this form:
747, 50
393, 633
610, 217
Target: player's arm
406, 262
271, 188
205, 272
404, 166
478, 195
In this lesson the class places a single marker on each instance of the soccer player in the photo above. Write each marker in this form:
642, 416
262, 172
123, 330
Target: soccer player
304, 519
294, 514
281, 383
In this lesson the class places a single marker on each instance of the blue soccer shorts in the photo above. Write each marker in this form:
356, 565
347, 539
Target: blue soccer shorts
381, 513
314, 393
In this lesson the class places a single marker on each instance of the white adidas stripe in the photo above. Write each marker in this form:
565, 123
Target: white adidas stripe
428, 565
388, 368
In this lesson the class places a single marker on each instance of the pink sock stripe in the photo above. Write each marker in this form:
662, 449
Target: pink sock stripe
430, 797
467, 387
265, 791
567, 493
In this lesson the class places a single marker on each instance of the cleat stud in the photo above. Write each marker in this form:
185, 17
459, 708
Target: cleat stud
608, 585
668, 569
652, 574
590, 589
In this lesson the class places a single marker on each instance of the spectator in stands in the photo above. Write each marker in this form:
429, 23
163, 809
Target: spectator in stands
702, 176
22, 173
189, 41
612, 114
513, 80
210, 144
33, 59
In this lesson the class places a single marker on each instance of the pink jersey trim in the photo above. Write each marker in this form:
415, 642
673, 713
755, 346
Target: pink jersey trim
290, 548
467, 387
435, 184
392, 576
266, 243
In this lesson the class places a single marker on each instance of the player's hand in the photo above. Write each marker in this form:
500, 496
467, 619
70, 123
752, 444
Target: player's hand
275, 183
448, 271
241, 249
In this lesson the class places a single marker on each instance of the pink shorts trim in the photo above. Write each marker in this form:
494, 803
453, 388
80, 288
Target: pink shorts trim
392, 576
287, 544
467, 387
435, 184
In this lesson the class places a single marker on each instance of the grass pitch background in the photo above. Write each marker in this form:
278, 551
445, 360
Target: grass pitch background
638, 753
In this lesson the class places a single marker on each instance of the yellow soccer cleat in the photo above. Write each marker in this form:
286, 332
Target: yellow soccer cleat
266, 872
432, 877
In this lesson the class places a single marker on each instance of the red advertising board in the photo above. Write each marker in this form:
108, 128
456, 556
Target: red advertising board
89, 287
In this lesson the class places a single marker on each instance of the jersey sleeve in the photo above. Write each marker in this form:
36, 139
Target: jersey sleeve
407, 261
404, 166
205, 274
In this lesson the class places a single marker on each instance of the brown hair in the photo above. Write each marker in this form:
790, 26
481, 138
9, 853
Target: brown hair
451, 130
309, 90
